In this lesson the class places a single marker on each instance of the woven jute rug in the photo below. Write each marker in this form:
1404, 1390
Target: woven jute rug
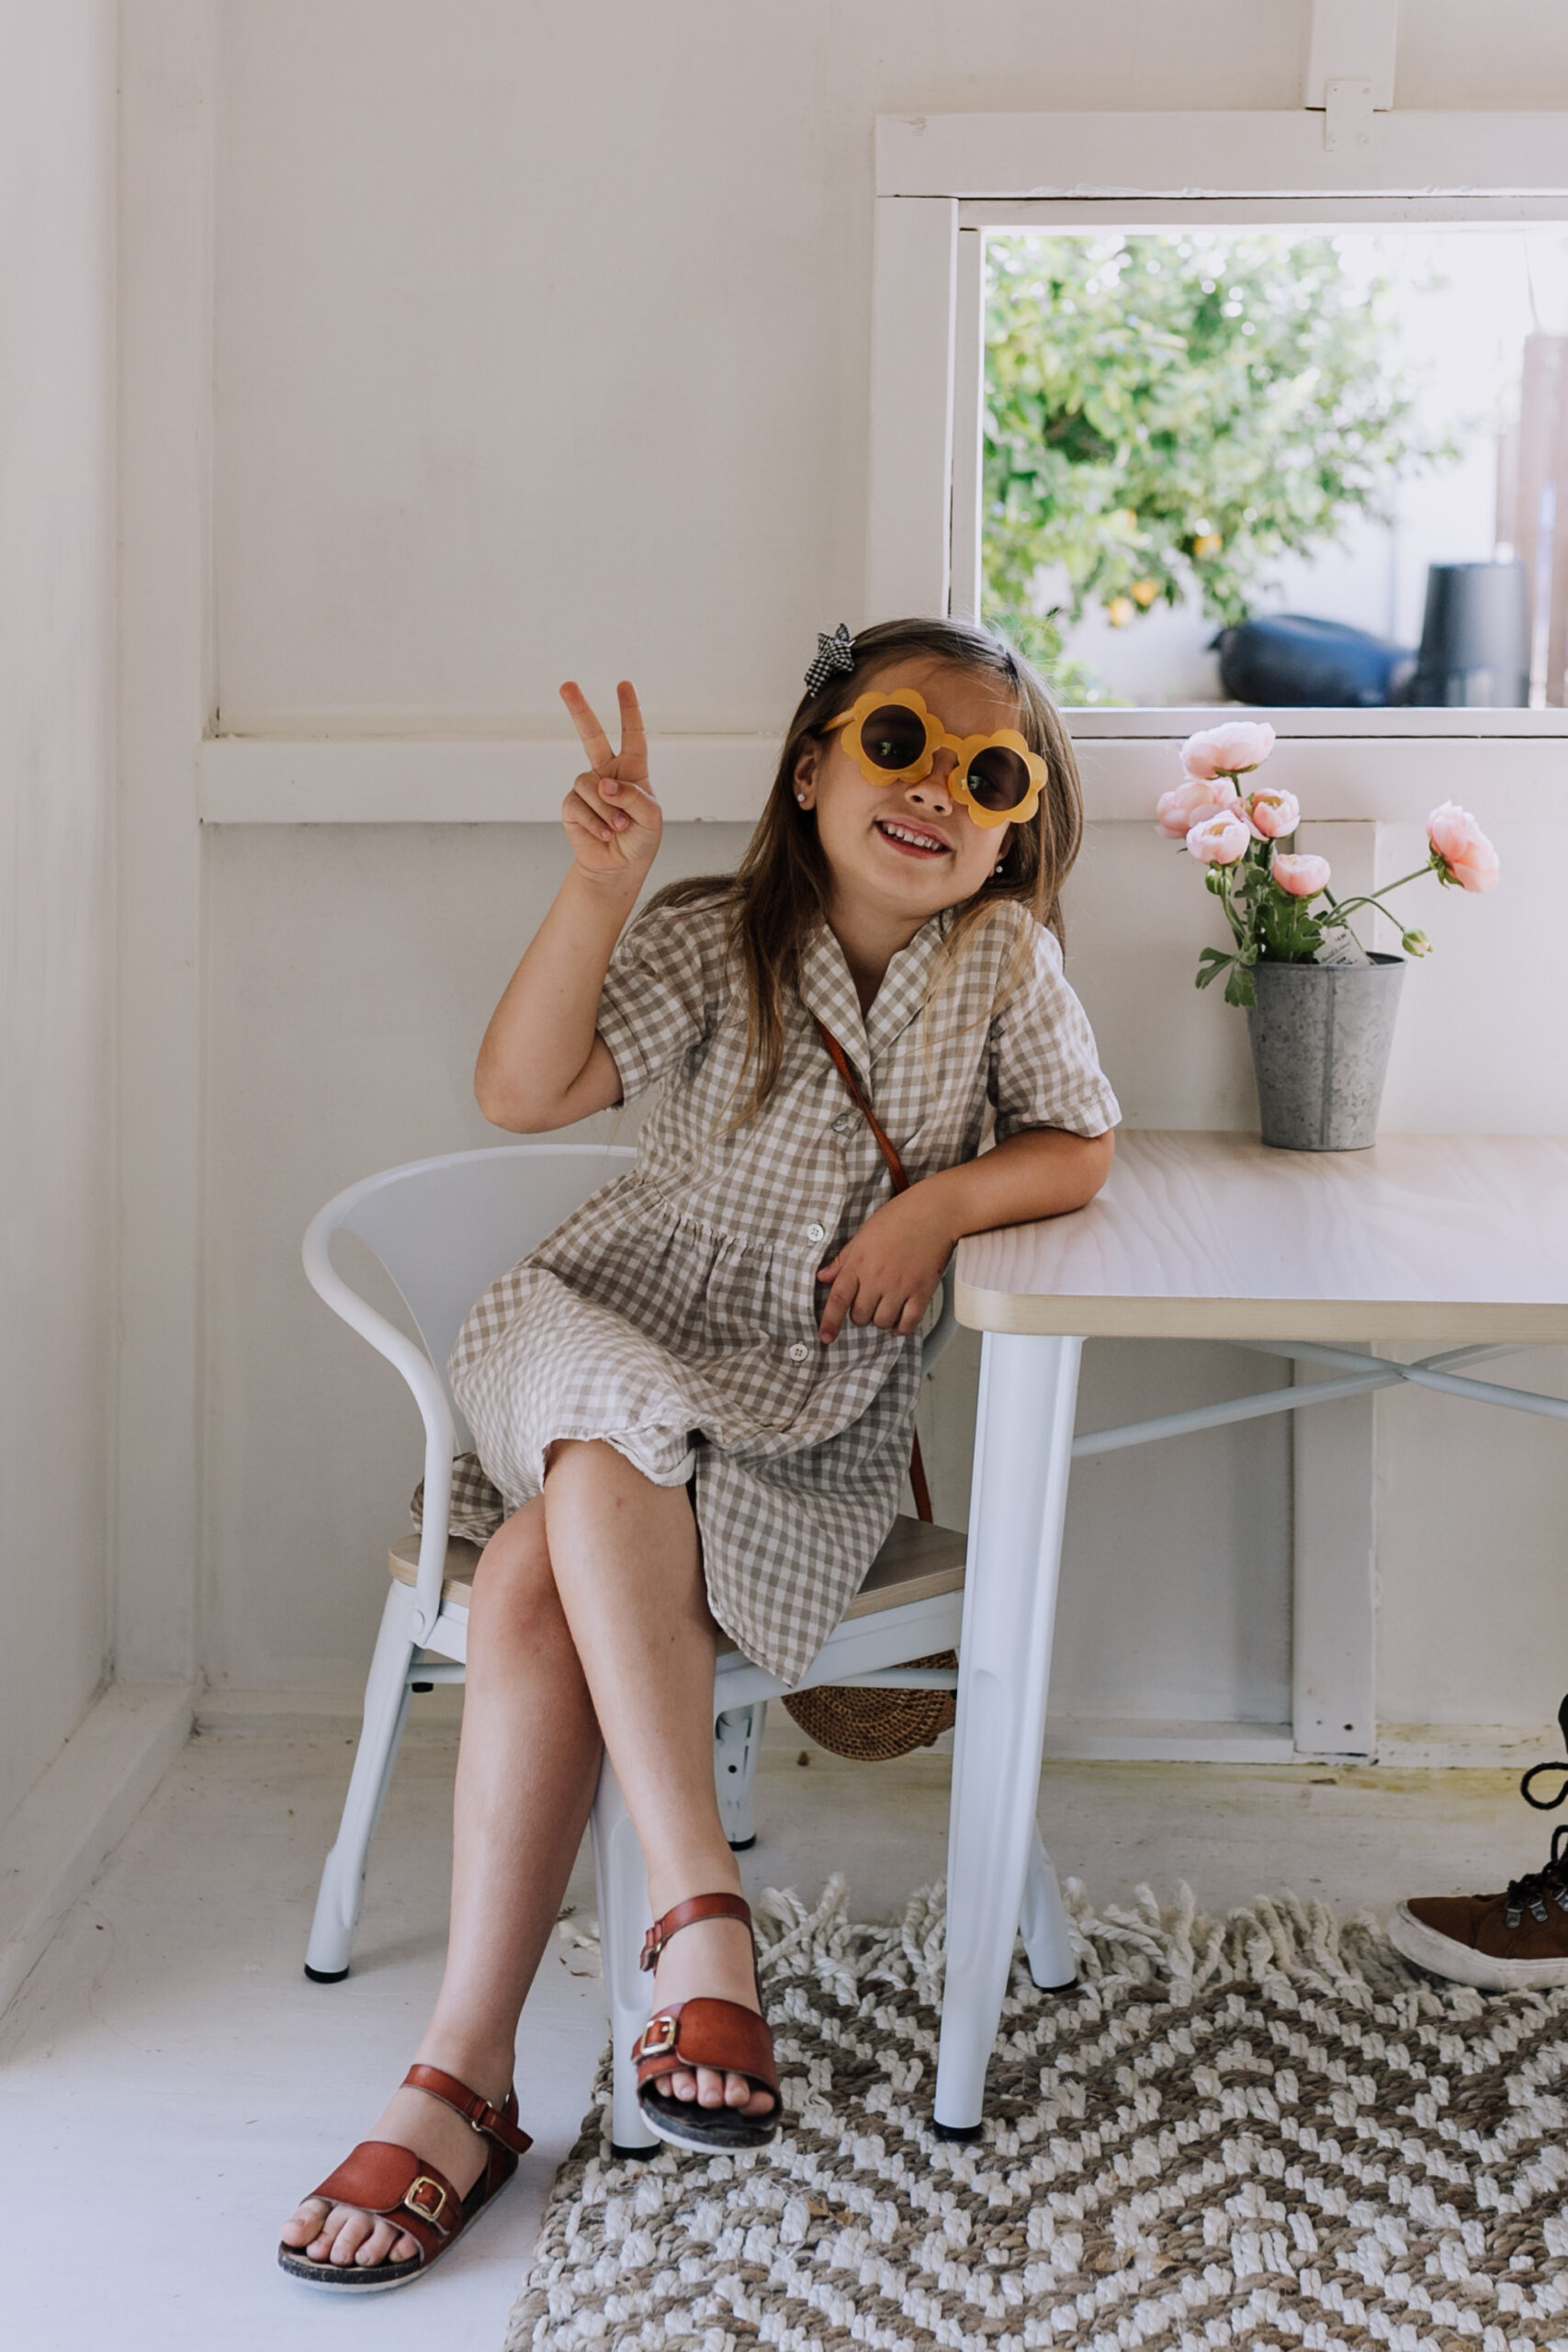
1263, 2130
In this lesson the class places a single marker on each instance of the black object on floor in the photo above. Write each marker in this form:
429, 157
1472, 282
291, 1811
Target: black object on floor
1293, 659
1476, 650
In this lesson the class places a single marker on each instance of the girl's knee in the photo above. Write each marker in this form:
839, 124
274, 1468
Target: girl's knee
513, 1575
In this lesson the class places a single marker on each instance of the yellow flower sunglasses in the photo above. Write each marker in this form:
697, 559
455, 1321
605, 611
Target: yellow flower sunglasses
894, 738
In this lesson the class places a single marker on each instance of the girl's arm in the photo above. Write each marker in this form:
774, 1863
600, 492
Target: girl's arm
889, 1272
542, 1063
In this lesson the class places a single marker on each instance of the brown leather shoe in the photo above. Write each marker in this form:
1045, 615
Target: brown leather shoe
1493, 1941
1512, 1942
380, 2177
701, 2032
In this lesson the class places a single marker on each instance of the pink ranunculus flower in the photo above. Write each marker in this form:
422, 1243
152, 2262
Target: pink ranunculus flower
1177, 811
1274, 814
1303, 876
1220, 841
1233, 750
1468, 857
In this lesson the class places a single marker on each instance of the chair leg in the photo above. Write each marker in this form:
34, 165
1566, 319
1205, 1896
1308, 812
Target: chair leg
1023, 1437
737, 1739
1042, 1924
623, 1913
343, 1878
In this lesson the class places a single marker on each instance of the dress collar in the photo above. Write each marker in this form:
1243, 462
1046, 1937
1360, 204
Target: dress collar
829, 993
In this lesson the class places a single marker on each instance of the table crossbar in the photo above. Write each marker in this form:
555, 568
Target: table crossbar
1364, 1373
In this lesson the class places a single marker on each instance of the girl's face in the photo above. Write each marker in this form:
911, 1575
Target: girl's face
907, 850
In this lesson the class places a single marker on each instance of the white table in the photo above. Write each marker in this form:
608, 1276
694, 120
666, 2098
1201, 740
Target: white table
1460, 1240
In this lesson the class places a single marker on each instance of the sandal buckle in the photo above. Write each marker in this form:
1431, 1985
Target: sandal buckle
421, 2203
659, 2037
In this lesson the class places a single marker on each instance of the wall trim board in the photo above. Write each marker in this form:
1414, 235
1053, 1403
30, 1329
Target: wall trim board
167, 67
372, 780
1480, 159
77, 1812
719, 779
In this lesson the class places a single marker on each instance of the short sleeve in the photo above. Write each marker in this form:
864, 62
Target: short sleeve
660, 993
1045, 1070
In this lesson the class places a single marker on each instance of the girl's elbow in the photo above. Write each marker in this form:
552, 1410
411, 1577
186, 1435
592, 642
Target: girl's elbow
1097, 1156
506, 1109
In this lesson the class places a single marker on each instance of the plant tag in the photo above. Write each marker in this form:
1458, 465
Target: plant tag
1341, 946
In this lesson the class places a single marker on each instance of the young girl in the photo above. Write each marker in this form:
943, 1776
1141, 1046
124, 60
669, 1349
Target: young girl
697, 1397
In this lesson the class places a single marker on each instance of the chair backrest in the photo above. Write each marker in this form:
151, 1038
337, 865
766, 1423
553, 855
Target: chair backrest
444, 1228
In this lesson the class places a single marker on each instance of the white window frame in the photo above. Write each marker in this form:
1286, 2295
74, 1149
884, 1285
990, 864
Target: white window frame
942, 181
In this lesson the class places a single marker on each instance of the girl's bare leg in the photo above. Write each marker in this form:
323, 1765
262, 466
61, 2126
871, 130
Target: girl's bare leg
526, 1768
626, 1567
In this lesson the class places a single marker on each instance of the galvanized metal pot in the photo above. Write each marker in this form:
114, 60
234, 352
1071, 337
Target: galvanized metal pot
1321, 1035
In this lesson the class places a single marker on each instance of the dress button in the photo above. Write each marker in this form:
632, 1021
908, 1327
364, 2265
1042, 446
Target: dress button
798, 1352
815, 1232
843, 1122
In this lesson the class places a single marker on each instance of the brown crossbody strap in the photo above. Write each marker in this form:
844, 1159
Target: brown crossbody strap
888, 1149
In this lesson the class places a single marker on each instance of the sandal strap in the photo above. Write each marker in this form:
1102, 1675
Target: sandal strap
687, 1915
380, 2177
706, 2032
496, 2123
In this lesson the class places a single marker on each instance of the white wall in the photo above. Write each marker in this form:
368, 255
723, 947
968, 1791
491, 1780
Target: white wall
541, 349
57, 245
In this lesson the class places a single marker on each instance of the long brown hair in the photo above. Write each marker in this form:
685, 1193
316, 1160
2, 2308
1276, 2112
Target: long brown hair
778, 895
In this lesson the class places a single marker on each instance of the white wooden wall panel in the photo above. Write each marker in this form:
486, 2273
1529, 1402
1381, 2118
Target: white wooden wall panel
912, 304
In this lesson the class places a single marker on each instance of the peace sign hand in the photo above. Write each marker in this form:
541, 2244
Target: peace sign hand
612, 819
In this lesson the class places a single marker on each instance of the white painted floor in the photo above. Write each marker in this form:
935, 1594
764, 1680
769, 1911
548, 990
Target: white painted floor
170, 2083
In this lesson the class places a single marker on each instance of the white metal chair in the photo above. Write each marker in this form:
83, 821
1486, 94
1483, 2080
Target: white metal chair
443, 1229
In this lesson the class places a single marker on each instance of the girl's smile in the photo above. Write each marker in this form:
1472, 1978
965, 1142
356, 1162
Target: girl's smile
911, 839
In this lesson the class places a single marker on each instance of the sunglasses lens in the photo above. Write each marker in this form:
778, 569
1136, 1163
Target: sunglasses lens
894, 738
997, 779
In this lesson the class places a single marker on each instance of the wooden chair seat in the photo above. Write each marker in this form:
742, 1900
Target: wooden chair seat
917, 1563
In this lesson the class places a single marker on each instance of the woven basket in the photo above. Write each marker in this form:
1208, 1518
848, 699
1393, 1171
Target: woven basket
872, 1726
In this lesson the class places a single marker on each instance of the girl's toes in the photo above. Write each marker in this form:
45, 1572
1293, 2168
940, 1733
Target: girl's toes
376, 2247
710, 2088
349, 2235
759, 2102
304, 2224
681, 2087
737, 2091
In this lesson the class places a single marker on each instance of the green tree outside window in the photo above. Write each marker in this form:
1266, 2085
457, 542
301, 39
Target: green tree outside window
1166, 416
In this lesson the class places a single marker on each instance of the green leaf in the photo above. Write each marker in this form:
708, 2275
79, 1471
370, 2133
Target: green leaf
1239, 988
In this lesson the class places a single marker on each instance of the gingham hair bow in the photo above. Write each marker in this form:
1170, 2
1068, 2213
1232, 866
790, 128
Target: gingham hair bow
835, 658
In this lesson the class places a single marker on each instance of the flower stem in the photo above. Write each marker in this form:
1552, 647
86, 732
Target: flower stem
1343, 906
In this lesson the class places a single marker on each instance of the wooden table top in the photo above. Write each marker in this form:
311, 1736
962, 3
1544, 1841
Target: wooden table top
1215, 1237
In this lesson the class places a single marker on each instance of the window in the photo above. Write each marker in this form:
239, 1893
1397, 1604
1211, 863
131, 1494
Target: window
1308, 466
1468, 199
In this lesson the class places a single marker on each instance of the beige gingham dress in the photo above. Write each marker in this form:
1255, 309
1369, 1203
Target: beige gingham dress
675, 1313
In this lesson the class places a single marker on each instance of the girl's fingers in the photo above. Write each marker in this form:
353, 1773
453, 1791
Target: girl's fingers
840, 1299
590, 790
633, 763
595, 742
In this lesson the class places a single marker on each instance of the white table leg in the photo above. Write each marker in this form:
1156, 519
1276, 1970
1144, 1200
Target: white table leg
1023, 1435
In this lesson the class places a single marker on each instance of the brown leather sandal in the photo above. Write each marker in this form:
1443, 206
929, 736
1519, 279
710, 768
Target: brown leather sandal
392, 2182
702, 2032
